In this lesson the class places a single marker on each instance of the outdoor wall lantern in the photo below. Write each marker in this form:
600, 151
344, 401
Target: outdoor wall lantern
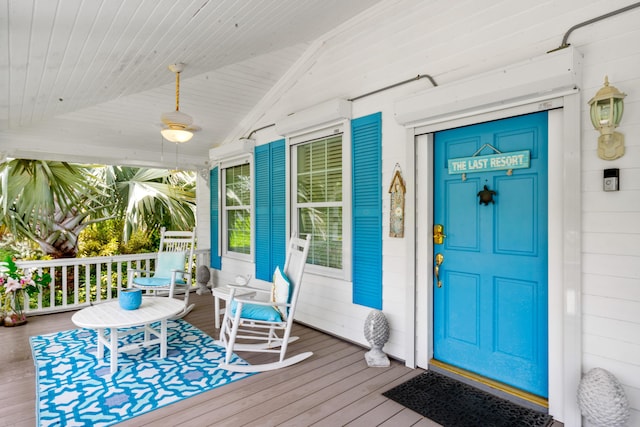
607, 107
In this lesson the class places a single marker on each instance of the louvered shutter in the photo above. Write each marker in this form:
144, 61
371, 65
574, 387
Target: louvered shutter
366, 136
215, 219
278, 205
270, 214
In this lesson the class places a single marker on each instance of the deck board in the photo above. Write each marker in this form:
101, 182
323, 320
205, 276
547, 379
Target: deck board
334, 387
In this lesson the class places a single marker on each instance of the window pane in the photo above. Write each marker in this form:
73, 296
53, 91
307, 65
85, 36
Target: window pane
237, 208
325, 227
333, 176
304, 159
334, 185
239, 231
319, 197
320, 171
304, 188
238, 182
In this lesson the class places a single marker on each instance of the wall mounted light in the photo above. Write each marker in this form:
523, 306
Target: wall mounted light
607, 107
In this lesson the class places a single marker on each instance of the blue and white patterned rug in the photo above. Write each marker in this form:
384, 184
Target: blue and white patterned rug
74, 388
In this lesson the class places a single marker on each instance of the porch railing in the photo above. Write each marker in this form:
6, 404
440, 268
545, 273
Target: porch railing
76, 282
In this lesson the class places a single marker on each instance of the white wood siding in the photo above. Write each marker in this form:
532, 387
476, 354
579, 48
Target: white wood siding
398, 40
611, 230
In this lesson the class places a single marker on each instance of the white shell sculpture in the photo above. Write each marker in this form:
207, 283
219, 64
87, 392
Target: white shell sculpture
242, 280
602, 400
376, 332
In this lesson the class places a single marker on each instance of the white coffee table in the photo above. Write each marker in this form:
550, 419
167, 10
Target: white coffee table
110, 315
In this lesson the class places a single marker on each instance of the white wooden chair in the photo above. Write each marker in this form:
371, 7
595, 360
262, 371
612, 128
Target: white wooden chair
265, 325
173, 268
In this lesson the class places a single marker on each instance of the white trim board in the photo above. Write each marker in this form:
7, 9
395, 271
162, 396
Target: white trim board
538, 79
565, 326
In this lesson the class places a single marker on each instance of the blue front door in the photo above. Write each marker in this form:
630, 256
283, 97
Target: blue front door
490, 305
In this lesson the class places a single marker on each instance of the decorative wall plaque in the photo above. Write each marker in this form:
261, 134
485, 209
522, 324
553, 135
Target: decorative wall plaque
397, 191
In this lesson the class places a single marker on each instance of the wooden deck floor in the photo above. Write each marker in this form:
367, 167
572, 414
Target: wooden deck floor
334, 387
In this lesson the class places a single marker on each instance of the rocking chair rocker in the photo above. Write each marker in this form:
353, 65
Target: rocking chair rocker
172, 268
263, 326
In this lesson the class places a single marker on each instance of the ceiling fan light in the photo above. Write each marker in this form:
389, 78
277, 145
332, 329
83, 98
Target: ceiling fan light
178, 124
176, 135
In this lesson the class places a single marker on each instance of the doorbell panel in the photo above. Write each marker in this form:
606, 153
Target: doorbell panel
611, 180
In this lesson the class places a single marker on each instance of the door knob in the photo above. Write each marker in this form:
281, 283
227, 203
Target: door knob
439, 261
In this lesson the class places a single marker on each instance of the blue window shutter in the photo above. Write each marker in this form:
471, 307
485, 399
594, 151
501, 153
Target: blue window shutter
215, 219
262, 213
278, 205
366, 137
270, 215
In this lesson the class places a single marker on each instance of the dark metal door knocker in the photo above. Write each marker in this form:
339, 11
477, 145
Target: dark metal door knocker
486, 196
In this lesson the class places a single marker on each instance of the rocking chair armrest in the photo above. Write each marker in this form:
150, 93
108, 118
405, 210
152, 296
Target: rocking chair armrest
183, 272
259, 302
138, 272
174, 272
186, 277
250, 288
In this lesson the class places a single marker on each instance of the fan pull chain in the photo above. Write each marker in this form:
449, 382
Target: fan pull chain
178, 91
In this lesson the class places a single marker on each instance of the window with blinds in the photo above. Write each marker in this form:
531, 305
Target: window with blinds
318, 201
237, 209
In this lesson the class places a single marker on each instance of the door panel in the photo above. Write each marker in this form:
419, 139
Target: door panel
464, 290
490, 314
516, 223
462, 216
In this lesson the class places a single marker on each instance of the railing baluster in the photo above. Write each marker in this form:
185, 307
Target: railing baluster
52, 287
119, 276
64, 285
76, 285
109, 281
98, 266
40, 294
87, 283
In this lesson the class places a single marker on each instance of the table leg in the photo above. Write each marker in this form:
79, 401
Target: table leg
100, 349
216, 311
163, 338
114, 350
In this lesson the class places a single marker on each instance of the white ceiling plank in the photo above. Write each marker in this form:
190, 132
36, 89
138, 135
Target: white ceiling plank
4, 59
20, 14
89, 41
39, 46
90, 77
62, 26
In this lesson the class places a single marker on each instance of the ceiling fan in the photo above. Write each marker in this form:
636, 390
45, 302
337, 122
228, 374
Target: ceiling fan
179, 125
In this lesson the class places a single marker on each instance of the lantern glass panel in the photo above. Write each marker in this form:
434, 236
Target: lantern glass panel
618, 109
605, 113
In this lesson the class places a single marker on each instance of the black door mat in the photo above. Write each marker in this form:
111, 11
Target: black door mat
455, 404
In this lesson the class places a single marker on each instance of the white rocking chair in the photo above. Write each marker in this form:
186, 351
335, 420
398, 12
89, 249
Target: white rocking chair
263, 326
172, 268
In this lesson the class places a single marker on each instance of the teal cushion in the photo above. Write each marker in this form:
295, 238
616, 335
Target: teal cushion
156, 281
168, 261
256, 312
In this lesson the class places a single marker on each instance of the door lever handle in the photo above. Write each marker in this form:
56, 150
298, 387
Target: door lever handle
439, 261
